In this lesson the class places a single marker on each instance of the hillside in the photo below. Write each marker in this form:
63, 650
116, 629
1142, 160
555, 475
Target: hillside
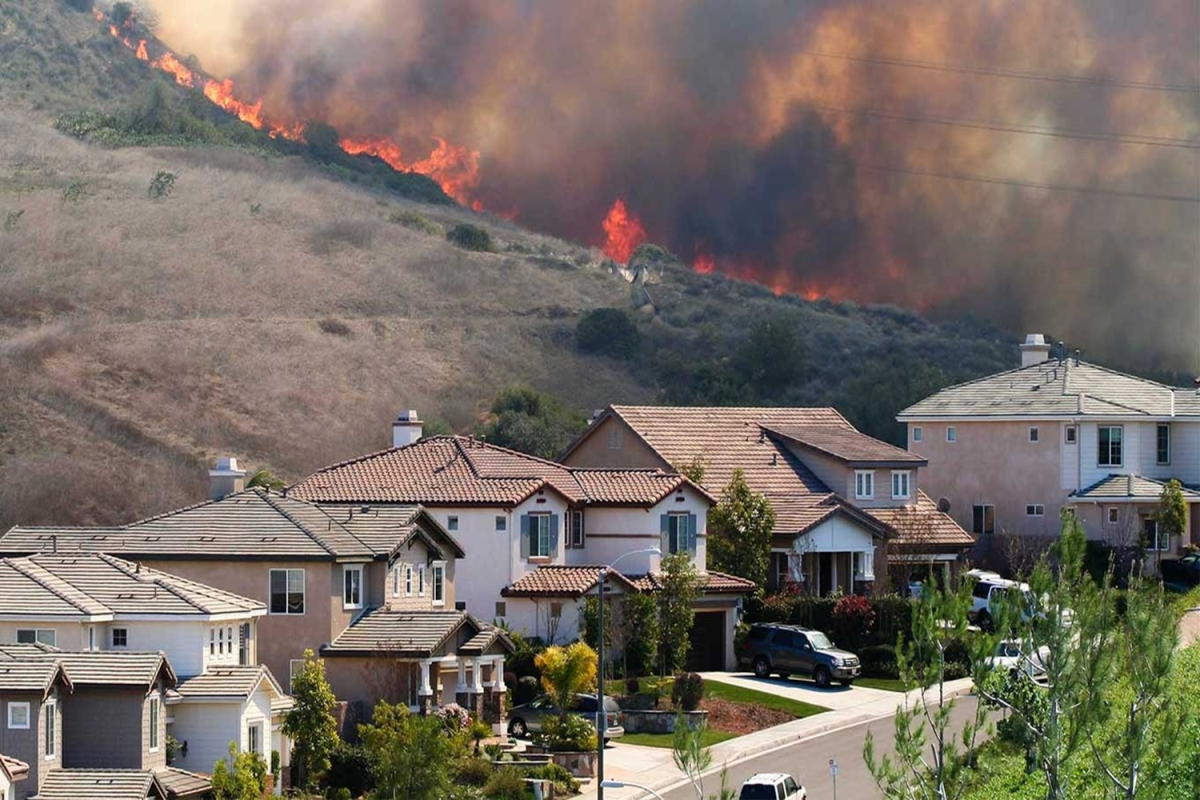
265, 309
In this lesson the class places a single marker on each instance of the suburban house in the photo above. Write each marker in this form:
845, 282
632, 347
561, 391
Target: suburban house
127, 692
1010, 451
11, 771
31, 693
846, 505
537, 532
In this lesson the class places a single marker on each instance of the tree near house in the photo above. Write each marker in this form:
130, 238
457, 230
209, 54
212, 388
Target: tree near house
739, 532
413, 756
679, 588
1172, 509
310, 723
247, 780
566, 671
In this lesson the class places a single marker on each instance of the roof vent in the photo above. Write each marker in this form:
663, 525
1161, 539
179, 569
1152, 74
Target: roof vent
1035, 350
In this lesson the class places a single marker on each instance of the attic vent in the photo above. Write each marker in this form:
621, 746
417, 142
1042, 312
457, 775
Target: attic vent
125, 595
153, 538
99, 538
269, 539
208, 538
44, 537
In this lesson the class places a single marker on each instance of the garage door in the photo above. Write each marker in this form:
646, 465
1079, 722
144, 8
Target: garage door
707, 652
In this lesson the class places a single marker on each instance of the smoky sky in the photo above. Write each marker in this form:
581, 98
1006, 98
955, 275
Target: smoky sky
861, 150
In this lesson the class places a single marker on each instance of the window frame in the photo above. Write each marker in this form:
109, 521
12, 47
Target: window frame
906, 476
352, 589
124, 636
864, 484
1035, 509
408, 580
918, 433
1114, 515
1159, 430
501, 523
501, 609
680, 544
91, 637
539, 525
984, 519
452, 522
1071, 434
1100, 444
292, 670
288, 572
1035, 435
1153, 541
254, 730
420, 580
49, 729
951, 433
28, 715
575, 538
437, 583
615, 437
38, 636
155, 710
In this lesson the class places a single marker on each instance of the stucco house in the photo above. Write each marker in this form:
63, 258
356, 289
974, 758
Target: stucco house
1009, 451
845, 504
525, 521
31, 693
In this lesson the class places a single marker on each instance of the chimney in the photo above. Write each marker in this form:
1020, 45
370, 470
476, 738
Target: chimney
406, 429
1035, 350
226, 478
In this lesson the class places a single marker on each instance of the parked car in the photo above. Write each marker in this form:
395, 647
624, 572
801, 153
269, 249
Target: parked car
1182, 572
1010, 656
529, 717
987, 593
791, 650
772, 786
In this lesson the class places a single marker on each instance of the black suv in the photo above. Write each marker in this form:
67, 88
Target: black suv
791, 650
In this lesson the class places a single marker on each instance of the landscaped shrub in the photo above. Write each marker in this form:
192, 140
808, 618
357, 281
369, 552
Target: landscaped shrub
632, 686
350, 767
506, 784
470, 237
474, 771
527, 689
853, 618
641, 632
564, 782
893, 617
572, 734
688, 691
608, 332
879, 661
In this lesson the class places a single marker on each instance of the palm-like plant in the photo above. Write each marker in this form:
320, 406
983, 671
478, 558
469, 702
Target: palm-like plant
566, 671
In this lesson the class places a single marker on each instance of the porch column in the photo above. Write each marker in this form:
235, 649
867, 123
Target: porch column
461, 689
498, 675
492, 701
833, 572
424, 690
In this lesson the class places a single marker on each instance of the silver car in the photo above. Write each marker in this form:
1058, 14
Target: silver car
528, 717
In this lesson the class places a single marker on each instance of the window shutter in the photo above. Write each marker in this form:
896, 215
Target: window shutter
691, 534
553, 535
664, 529
524, 536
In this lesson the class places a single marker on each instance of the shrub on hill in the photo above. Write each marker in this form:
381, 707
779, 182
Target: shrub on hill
471, 237
533, 422
608, 332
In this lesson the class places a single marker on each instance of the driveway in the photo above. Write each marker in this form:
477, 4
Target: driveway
837, 697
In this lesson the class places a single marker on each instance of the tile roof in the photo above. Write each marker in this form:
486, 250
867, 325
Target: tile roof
32, 675
1128, 487
183, 784
100, 667
99, 784
848, 445
557, 580
229, 682
457, 470
711, 583
412, 634
922, 525
96, 584
14, 769
1052, 388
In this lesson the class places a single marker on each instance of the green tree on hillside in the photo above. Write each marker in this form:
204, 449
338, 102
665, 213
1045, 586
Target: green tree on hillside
532, 422
739, 532
310, 723
772, 357
608, 332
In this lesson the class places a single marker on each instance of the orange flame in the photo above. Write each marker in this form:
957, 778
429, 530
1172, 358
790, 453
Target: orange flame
385, 150
167, 62
221, 94
455, 168
141, 51
623, 232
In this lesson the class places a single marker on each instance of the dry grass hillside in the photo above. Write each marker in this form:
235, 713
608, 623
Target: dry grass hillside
259, 310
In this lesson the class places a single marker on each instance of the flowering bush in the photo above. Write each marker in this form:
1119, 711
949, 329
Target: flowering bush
853, 617
454, 716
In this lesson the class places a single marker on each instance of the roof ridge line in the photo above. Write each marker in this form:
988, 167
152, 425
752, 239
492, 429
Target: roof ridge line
300, 526
150, 576
314, 534
155, 517
25, 569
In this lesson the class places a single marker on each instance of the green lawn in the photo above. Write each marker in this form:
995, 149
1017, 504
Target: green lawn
737, 694
887, 684
708, 737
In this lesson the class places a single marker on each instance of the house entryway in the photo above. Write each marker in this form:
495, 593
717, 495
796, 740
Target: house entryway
707, 651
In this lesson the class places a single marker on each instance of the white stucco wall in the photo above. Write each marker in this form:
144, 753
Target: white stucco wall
208, 728
612, 532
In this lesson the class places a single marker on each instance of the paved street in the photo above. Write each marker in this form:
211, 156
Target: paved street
836, 697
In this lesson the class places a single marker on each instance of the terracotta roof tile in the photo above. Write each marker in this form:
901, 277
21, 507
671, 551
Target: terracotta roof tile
14, 768
557, 580
847, 445
922, 525
711, 582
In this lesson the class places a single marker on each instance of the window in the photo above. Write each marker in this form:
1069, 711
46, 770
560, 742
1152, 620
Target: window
555, 610
352, 586
677, 533
295, 667
154, 714
501, 523
615, 436
1163, 440
1033, 434
91, 638
220, 641
1114, 515
864, 484
421, 580
575, 537
1109, 449
951, 434
439, 584
1071, 433
900, 485
451, 523
50, 713
408, 580
244, 644
501, 609
539, 536
212, 641
396, 581
287, 591
983, 519
254, 739
1157, 538
918, 434
120, 637
36, 636
1036, 510
18, 716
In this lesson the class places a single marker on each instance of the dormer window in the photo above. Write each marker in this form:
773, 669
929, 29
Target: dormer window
864, 484
352, 577
1109, 453
901, 489
917, 433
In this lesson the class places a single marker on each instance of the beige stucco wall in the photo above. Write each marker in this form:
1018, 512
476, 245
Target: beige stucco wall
995, 463
595, 452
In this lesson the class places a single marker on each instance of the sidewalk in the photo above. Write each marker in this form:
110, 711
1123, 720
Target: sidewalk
654, 766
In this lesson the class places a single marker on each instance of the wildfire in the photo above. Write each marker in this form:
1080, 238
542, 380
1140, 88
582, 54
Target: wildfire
141, 51
623, 232
167, 62
455, 168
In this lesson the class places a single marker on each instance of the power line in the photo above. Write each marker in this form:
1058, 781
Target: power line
1152, 141
1108, 83
1052, 187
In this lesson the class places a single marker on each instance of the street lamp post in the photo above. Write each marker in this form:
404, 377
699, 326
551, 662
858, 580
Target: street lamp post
602, 719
